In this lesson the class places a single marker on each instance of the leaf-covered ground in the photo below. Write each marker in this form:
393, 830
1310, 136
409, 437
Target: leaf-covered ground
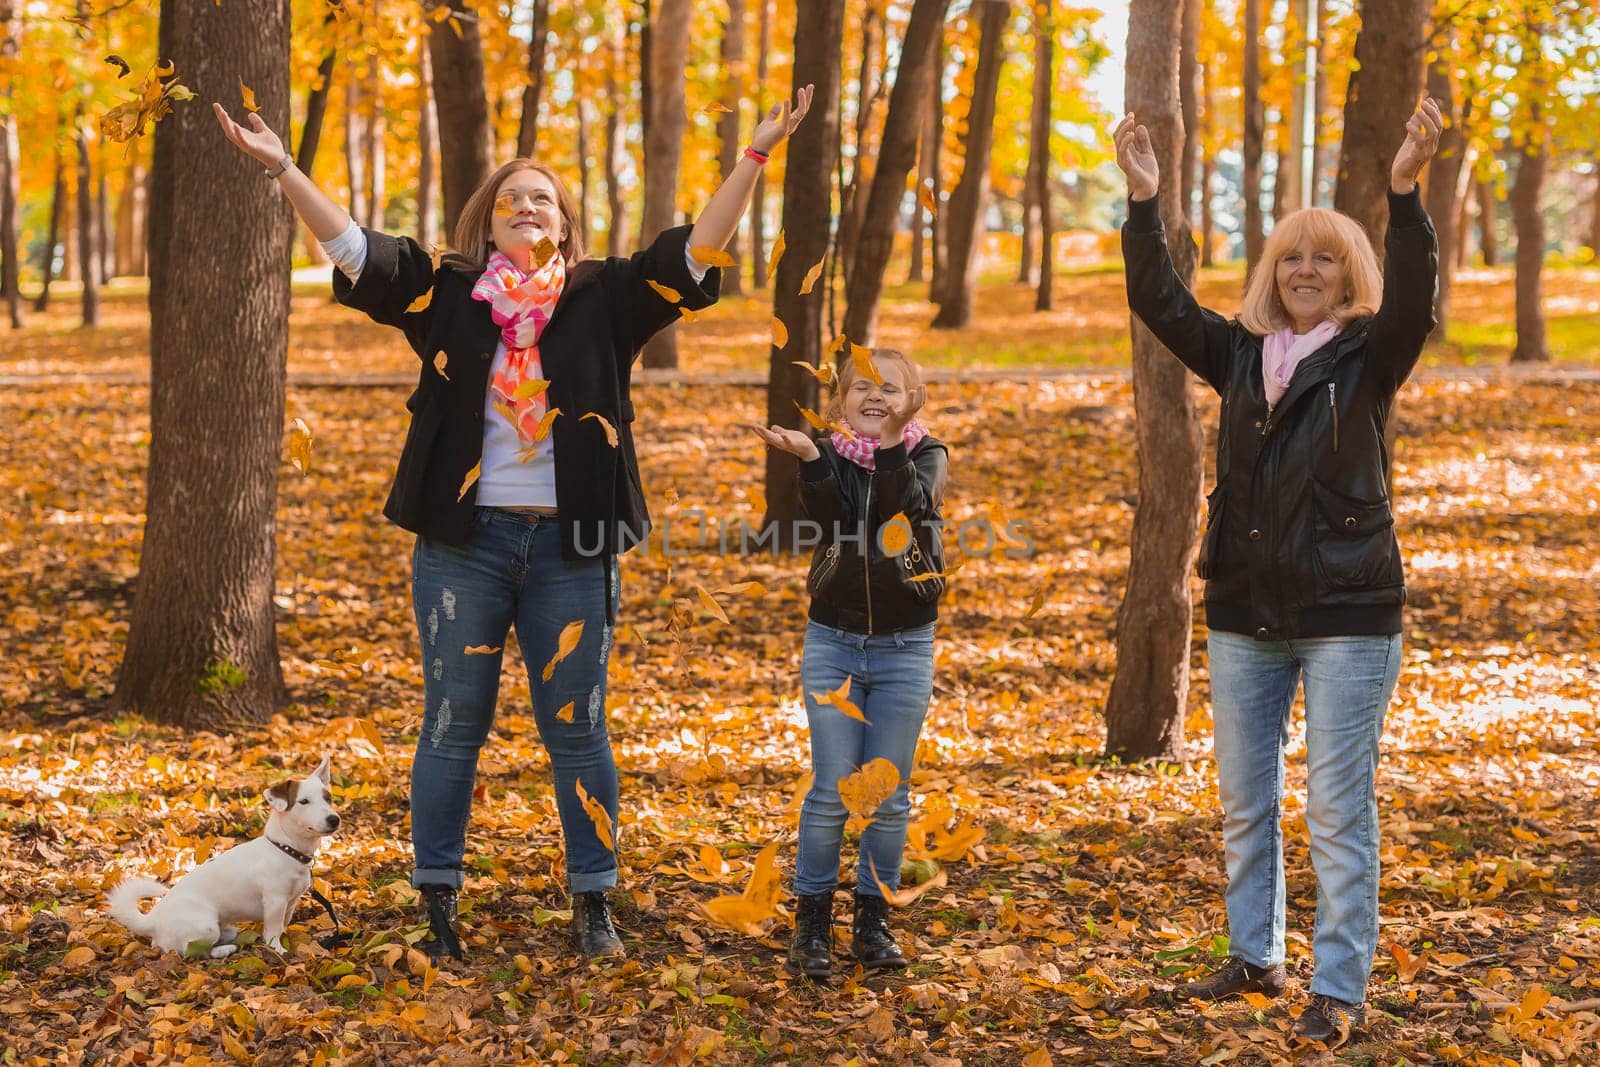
1093, 888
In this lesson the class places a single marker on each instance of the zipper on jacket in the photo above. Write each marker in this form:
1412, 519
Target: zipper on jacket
1333, 409
866, 548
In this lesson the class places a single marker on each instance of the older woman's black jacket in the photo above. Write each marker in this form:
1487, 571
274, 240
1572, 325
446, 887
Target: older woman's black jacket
1299, 537
854, 584
605, 315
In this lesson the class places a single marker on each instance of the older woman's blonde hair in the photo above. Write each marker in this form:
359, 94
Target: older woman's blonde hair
1262, 310
473, 239
845, 373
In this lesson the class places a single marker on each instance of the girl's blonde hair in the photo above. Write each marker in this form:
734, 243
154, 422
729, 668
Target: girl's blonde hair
473, 237
1262, 310
845, 374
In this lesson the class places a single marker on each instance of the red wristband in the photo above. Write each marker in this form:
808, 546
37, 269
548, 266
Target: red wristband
759, 157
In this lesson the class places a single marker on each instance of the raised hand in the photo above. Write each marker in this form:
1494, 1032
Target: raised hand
1422, 141
893, 426
257, 141
1137, 158
781, 121
786, 440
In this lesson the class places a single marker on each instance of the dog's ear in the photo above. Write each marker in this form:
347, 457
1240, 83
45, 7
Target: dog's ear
321, 771
282, 795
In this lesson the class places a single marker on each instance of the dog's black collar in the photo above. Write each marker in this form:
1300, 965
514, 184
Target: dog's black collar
289, 851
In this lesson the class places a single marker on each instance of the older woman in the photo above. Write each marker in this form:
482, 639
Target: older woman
1303, 573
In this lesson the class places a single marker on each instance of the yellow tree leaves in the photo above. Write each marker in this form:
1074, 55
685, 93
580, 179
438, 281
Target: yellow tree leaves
810, 279
712, 257
151, 102
840, 698
597, 814
750, 911
605, 425
778, 247
469, 480
249, 96
665, 292
571, 634
780, 333
866, 789
300, 442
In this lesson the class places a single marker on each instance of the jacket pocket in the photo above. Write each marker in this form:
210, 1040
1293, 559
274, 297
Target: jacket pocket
823, 567
1206, 564
406, 498
1355, 543
922, 572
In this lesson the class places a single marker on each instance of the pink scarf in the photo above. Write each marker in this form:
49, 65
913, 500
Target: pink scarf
863, 451
520, 305
1282, 351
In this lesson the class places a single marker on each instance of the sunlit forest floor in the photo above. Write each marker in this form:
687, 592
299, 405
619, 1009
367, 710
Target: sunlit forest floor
1095, 886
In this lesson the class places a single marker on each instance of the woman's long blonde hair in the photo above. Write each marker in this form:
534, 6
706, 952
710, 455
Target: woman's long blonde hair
473, 237
845, 373
1262, 310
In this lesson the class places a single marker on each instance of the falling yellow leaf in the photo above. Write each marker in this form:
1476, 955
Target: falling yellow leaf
929, 201
611, 431
163, 70
894, 537
836, 345
931, 576
689, 314
1036, 603
420, 302
597, 815
750, 911
777, 253
811, 279
439, 14
709, 602
505, 205
753, 590
565, 714
370, 731
823, 374
571, 634
544, 250
467, 482
716, 107
541, 431
249, 95
440, 361
840, 698
780, 333
712, 257
866, 789
817, 421
481, 650
300, 441
899, 898
952, 844
712, 863
758, 499
861, 358
531, 387
666, 292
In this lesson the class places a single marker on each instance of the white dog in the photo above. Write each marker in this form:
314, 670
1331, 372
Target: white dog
258, 881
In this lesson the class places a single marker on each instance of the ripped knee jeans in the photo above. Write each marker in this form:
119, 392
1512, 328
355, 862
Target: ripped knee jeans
509, 573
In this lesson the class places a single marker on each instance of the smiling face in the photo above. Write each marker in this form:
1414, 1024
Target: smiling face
526, 209
1311, 284
866, 403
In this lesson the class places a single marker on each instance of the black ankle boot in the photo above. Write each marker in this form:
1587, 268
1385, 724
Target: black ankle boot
592, 933
440, 902
874, 945
812, 951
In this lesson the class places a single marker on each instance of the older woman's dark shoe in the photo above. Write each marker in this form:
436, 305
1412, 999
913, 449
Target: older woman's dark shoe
592, 933
1328, 1021
1234, 978
874, 945
812, 951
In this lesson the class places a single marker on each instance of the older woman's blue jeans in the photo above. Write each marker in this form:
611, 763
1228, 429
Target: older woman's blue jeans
1348, 684
891, 681
467, 597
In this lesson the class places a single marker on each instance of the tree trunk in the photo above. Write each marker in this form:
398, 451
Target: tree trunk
1526, 216
919, 214
538, 41
1254, 134
1044, 59
1594, 211
428, 151
931, 174
729, 143
663, 144
201, 650
102, 215
1145, 710
758, 201
897, 155
1464, 218
1440, 192
317, 102
1384, 89
376, 168
1281, 205
1189, 102
807, 209
616, 212
10, 176
1208, 163
355, 140
132, 223
1488, 241
1291, 161
88, 241
47, 261
1037, 177
1319, 105
852, 199
585, 172
461, 107
971, 197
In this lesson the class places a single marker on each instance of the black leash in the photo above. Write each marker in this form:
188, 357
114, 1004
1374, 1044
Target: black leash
338, 937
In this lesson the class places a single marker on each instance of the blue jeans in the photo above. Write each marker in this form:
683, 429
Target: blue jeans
892, 683
1348, 683
510, 571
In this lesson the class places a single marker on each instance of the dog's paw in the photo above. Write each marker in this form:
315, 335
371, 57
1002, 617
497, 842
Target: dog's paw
220, 951
275, 944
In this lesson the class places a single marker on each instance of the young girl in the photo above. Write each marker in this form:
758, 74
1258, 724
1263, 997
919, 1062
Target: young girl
876, 491
520, 500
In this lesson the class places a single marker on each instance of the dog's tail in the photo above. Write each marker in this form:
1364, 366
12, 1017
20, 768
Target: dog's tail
125, 903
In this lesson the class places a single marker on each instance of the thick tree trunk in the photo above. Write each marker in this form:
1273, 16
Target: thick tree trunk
428, 161
47, 260
758, 201
201, 648
1145, 710
897, 155
538, 42
10, 177
616, 211
1254, 134
1443, 178
1526, 215
461, 106
317, 103
88, 241
1383, 92
663, 144
730, 145
1488, 239
807, 209
1044, 67
968, 203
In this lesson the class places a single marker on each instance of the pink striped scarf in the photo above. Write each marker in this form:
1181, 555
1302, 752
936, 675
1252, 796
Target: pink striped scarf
520, 304
863, 451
